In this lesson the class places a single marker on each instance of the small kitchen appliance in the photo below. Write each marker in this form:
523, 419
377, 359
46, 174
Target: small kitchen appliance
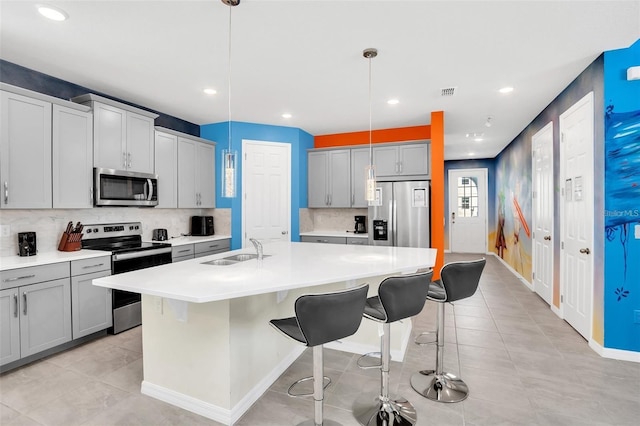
361, 227
160, 234
27, 244
201, 225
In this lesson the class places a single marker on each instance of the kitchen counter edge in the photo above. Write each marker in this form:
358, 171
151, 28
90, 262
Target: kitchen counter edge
15, 262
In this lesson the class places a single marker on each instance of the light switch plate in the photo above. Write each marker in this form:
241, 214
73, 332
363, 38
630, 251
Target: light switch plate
5, 230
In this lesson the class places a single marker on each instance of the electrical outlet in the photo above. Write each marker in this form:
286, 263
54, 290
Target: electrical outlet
636, 316
5, 230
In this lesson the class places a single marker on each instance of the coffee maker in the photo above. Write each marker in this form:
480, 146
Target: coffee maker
27, 244
361, 227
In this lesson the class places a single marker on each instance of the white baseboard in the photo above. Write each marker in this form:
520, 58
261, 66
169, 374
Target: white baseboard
214, 412
618, 354
513, 271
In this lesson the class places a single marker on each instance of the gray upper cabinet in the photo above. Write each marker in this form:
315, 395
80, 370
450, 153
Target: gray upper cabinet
166, 167
123, 136
196, 174
72, 158
25, 152
329, 178
402, 160
359, 162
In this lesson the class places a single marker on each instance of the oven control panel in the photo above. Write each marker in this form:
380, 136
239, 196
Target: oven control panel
112, 230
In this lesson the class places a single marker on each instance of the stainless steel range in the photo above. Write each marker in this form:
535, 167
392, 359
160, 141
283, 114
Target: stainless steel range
128, 253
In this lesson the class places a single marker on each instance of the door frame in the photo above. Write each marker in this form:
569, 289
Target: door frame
534, 218
562, 226
245, 143
485, 200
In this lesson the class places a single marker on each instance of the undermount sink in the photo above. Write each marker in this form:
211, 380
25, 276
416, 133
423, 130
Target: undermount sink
232, 260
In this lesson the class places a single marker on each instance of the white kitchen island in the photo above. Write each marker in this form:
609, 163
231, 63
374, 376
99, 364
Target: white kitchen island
207, 343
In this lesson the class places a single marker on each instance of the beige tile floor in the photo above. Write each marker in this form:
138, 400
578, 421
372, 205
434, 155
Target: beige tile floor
523, 364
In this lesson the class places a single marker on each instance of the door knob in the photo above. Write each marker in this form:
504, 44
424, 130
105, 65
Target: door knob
285, 232
585, 250
547, 237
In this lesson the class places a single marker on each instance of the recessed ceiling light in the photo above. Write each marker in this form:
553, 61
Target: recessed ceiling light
478, 140
471, 154
507, 89
286, 115
393, 102
210, 91
52, 12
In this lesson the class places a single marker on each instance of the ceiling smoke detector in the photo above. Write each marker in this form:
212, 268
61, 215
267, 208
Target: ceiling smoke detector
447, 91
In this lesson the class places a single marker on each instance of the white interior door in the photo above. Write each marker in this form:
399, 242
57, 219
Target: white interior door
542, 158
266, 187
576, 162
468, 211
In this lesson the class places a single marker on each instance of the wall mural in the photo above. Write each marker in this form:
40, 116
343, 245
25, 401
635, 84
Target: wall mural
622, 211
511, 237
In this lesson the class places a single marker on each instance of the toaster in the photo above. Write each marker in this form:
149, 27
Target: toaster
201, 225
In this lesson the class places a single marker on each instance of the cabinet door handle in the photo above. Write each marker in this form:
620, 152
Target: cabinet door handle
6, 192
24, 277
129, 159
124, 160
353, 199
184, 251
24, 298
15, 306
93, 266
400, 166
91, 195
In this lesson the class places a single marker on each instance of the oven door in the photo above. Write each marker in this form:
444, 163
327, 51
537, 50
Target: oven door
123, 188
127, 308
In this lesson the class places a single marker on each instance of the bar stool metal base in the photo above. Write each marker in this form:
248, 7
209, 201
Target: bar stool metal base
369, 410
443, 387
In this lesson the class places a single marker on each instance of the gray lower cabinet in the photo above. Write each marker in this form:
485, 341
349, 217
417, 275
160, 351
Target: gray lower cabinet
36, 310
211, 247
34, 318
91, 305
324, 240
180, 253
334, 240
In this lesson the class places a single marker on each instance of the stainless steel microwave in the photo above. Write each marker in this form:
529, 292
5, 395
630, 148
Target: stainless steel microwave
124, 188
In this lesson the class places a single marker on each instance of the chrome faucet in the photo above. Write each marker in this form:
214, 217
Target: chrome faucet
258, 245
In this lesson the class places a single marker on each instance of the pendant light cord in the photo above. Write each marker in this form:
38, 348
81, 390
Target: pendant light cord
229, 77
370, 146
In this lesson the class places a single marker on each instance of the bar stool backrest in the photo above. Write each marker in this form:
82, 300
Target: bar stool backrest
323, 318
404, 296
460, 279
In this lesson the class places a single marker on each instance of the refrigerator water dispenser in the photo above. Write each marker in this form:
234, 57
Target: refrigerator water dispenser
380, 230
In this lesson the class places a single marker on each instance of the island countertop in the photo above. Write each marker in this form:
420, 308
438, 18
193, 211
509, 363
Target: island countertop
286, 266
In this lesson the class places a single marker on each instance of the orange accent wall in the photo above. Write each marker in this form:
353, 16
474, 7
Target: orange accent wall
434, 132
400, 134
437, 188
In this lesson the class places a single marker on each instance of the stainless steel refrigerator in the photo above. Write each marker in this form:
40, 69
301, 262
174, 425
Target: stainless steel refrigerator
400, 214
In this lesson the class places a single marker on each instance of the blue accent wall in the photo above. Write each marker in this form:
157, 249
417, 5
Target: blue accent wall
622, 200
300, 141
29, 79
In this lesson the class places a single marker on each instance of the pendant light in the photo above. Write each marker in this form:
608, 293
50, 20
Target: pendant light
229, 156
370, 171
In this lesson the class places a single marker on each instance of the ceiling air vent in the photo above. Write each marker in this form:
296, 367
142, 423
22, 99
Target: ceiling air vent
448, 91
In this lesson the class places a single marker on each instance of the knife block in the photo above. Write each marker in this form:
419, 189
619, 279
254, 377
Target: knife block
70, 242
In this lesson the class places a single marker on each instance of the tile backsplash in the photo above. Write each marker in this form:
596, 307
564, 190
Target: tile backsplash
49, 224
329, 219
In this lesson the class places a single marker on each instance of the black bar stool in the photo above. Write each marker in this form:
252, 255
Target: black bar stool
458, 280
398, 298
320, 319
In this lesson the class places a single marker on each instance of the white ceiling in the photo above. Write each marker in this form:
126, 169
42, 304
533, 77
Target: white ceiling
305, 58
